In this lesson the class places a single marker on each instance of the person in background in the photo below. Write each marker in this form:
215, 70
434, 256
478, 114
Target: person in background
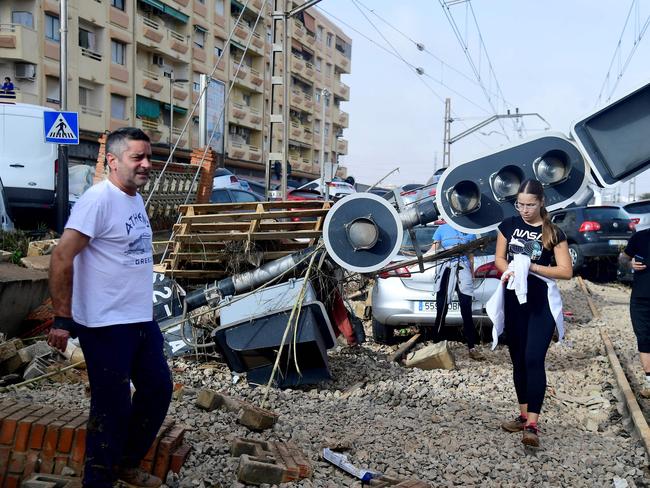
101, 284
8, 86
531, 303
456, 274
636, 255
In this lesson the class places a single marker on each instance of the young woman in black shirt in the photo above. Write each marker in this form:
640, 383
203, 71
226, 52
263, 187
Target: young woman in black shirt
529, 326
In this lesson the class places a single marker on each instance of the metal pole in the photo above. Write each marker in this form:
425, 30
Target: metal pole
446, 151
286, 78
171, 107
203, 111
324, 93
62, 175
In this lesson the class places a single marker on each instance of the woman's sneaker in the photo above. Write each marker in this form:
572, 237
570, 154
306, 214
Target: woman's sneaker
530, 436
516, 425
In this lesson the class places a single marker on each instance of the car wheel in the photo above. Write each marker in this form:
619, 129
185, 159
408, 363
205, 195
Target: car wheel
382, 334
577, 259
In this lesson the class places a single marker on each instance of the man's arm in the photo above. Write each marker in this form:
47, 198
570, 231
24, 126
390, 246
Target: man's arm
72, 242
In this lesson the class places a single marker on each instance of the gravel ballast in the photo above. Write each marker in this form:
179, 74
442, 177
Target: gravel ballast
437, 426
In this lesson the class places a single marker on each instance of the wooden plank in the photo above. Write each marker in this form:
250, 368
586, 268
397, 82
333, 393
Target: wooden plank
229, 217
252, 226
204, 208
255, 236
404, 348
198, 246
197, 257
195, 274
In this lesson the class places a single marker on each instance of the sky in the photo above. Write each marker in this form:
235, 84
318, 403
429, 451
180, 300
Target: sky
549, 57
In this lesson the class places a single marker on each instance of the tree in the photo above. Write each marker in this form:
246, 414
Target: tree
644, 196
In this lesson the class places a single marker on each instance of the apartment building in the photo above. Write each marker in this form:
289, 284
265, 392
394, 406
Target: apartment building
131, 61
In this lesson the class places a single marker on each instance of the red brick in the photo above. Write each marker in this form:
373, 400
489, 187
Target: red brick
12, 481
8, 430
78, 453
24, 426
31, 463
60, 462
167, 445
17, 462
178, 458
10, 408
67, 433
4, 461
52, 432
37, 434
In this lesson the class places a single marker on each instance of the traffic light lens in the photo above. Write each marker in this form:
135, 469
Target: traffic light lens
505, 183
362, 233
552, 168
464, 197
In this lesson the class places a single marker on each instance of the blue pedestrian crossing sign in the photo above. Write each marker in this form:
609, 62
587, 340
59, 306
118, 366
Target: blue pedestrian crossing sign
61, 127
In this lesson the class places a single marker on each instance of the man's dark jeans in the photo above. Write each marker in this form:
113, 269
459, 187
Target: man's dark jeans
121, 429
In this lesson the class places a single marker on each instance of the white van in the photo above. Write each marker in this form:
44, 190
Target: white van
27, 162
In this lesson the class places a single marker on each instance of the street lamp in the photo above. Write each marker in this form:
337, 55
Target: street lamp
325, 94
172, 80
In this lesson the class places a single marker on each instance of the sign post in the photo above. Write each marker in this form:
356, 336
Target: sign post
61, 128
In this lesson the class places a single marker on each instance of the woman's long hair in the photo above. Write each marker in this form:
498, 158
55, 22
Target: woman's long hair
549, 230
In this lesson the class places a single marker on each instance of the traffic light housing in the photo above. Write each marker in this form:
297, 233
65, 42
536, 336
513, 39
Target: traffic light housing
477, 195
616, 139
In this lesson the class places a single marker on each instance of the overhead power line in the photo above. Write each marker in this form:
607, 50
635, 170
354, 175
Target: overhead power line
637, 36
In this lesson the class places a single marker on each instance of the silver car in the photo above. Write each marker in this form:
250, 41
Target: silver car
405, 297
639, 213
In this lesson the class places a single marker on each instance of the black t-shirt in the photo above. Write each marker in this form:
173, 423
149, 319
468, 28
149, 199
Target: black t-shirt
527, 239
639, 245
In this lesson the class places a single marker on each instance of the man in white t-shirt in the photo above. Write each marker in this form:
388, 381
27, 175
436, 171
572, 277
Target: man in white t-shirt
101, 284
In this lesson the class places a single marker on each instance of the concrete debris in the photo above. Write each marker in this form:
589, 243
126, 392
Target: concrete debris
5, 256
253, 417
41, 263
41, 248
432, 356
269, 463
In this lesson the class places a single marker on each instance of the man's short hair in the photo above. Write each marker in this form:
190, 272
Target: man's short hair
117, 140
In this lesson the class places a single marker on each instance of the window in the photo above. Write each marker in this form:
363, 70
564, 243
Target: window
199, 37
87, 39
327, 131
328, 69
319, 33
316, 126
118, 107
319, 62
201, 1
22, 18
219, 8
330, 38
83, 96
52, 28
196, 82
53, 92
327, 101
317, 93
247, 99
118, 52
218, 46
118, 4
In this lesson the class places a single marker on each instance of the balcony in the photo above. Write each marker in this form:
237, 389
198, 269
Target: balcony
91, 12
341, 61
242, 35
149, 32
150, 81
245, 116
151, 128
310, 72
91, 119
342, 146
299, 132
247, 76
297, 65
18, 43
298, 31
177, 134
342, 90
90, 64
179, 44
236, 149
339, 117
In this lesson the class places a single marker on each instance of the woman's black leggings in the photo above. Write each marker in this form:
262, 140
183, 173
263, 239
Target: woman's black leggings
529, 329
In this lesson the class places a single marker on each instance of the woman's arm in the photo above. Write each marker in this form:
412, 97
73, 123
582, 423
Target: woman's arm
501, 258
563, 269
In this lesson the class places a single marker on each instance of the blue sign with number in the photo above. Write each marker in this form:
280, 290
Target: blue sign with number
61, 127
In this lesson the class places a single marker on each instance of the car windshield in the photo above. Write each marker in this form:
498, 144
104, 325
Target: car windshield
638, 207
605, 213
424, 236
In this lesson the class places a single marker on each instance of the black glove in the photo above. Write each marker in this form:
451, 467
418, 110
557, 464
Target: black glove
66, 323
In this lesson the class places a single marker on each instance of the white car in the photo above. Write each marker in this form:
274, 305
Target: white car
337, 189
639, 213
224, 178
405, 297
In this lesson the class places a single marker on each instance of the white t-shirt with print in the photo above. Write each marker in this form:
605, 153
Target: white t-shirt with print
112, 282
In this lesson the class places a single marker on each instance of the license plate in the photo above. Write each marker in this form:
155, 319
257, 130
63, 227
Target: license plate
430, 306
617, 242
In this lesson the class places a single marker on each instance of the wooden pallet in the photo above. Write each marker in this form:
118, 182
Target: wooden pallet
212, 241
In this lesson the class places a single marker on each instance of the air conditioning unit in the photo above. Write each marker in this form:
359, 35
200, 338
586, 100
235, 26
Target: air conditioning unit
25, 71
158, 60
